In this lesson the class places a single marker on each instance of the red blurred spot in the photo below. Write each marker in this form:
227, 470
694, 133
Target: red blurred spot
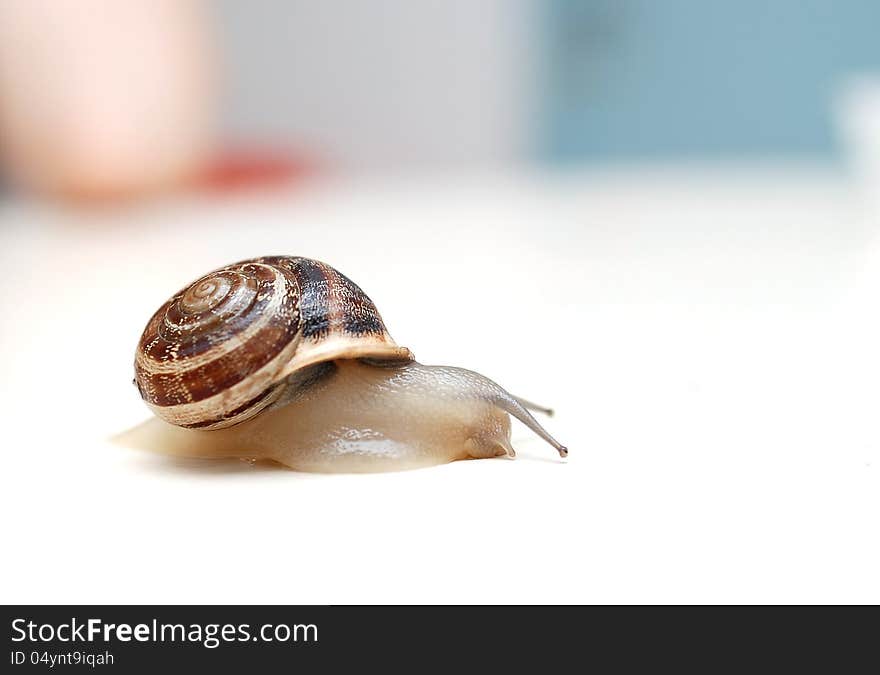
242, 169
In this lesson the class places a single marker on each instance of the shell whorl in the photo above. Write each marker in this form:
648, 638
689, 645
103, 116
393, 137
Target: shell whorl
221, 349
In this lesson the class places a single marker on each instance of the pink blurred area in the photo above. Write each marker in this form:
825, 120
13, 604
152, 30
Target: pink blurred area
104, 99
118, 100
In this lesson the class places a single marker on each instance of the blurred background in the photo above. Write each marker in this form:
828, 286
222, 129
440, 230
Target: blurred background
661, 218
105, 99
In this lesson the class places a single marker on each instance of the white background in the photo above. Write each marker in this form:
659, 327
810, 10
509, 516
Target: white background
708, 339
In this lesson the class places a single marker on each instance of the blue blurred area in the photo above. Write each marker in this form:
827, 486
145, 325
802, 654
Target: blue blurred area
645, 79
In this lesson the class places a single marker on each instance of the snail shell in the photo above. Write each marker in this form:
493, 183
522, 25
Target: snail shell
225, 347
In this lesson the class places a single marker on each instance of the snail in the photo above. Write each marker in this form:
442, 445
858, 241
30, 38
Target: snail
286, 359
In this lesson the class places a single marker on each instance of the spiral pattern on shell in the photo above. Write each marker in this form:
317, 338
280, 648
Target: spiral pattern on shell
220, 350
209, 355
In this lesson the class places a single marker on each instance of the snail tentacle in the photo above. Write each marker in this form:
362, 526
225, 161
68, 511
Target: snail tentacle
528, 405
513, 406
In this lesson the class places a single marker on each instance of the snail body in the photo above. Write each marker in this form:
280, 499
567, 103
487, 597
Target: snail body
286, 359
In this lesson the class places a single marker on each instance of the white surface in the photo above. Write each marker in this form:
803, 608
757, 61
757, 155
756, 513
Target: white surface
709, 340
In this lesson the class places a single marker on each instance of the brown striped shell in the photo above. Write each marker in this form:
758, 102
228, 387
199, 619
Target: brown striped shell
222, 349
